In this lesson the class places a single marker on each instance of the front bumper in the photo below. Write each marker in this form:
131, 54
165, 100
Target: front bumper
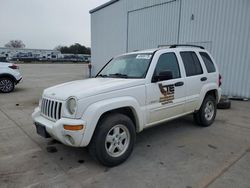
56, 130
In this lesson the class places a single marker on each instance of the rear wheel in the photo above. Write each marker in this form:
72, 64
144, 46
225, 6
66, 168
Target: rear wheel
207, 112
113, 140
6, 85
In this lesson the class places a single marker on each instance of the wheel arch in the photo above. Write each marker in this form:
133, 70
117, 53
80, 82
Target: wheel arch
126, 110
208, 90
124, 105
6, 75
214, 93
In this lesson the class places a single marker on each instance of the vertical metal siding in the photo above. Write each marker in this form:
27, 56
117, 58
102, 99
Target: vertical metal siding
151, 26
108, 34
226, 24
138, 4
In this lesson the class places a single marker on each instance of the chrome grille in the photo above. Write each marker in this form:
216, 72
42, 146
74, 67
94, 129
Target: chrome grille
51, 109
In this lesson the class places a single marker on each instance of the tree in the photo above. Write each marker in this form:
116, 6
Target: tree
15, 44
74, 49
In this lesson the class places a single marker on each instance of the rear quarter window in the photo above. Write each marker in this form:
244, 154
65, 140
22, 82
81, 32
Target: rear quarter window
208, 62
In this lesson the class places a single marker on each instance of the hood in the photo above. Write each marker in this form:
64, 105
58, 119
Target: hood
89, 87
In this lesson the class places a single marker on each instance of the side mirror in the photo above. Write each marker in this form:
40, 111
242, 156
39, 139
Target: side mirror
164, 75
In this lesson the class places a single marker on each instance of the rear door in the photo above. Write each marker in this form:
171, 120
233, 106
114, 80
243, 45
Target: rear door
166, 99
195, 79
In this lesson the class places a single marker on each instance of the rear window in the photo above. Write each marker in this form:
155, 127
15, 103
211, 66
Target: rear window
191, 63
208, 62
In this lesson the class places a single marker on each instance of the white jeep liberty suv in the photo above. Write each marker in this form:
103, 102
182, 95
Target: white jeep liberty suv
132, 92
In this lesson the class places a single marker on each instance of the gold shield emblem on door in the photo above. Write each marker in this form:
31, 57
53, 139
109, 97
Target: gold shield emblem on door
167, 93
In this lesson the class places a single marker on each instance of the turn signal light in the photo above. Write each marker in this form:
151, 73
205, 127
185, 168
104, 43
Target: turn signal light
73, 127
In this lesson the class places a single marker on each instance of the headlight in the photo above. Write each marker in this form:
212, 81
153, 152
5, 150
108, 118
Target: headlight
71, 106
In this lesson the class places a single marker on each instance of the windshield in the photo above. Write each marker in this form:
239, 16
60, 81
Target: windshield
127, 66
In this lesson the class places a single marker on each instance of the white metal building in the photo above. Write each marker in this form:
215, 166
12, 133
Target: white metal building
221, 26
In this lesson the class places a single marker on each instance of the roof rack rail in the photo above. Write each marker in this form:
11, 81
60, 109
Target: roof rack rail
180, 45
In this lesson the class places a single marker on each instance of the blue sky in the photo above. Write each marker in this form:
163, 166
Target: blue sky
46, 23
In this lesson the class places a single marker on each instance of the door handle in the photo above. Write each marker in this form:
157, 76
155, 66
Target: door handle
203, 79
178, 84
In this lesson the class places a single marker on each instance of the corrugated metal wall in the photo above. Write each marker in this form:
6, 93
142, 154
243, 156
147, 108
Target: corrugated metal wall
222, 26
225, 24
142, 4
142, 26
108, 34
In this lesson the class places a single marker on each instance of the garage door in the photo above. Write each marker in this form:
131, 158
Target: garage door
153, 26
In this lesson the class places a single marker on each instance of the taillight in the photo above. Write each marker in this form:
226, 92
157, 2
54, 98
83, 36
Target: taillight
14, 66
220, 80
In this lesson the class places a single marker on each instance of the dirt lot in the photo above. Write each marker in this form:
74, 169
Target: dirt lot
175, 154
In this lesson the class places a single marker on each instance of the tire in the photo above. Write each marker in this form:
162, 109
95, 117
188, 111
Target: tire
113, 140
7, 85
207, 112
224, 104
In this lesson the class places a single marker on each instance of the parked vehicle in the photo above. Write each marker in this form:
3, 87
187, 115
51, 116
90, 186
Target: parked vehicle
9, 77
132, 92
3, 59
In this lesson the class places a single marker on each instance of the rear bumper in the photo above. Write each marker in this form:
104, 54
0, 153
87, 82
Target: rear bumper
18, 76
19, 81
56, 130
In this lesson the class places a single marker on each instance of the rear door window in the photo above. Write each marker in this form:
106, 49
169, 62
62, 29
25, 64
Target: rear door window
208, 62
191, 63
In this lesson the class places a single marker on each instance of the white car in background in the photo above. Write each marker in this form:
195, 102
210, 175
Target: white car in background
9, 77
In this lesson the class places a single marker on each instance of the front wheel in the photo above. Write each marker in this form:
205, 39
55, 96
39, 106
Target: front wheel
113, 140
207, 112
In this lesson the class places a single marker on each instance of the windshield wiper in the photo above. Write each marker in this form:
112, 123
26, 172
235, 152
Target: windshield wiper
102, 75
119, 75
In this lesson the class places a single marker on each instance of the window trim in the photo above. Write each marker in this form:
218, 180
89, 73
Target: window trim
192, 57
178, 63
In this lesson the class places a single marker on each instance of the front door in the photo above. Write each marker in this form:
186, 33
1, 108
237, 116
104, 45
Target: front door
166, 99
